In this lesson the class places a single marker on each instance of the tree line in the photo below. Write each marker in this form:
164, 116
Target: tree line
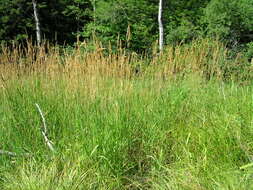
134, 22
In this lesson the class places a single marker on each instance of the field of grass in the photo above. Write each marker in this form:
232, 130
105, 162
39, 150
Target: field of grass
182, 121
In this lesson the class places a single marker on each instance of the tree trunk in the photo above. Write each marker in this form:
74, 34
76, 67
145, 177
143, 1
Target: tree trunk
94, 12
160, 25
37, 22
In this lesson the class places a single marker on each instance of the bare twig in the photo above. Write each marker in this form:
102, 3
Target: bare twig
44, 130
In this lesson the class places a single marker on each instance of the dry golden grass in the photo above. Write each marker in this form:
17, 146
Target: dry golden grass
205, 57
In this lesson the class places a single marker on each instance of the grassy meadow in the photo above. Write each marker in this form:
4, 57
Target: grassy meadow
180, 120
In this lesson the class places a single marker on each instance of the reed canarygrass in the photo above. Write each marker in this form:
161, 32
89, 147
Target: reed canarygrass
168, 125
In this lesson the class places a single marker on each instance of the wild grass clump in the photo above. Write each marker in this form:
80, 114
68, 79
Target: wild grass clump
113, 128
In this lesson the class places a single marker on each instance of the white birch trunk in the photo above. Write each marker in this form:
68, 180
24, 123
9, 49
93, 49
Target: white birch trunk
37, 22
94, 11
160, 25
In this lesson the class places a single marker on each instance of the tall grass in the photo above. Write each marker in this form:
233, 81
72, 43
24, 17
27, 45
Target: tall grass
208, 58
120, 121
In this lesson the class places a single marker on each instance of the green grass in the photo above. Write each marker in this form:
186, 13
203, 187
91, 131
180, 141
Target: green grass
183, 122
114, 133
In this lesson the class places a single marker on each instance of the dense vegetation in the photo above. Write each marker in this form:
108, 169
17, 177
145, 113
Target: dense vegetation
182, 121
96, 106
134, 22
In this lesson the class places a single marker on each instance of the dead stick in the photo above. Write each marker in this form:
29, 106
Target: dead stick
44, 130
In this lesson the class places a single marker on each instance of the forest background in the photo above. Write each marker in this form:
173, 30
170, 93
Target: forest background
133, 22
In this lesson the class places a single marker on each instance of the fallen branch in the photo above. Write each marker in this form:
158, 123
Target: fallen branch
44, 130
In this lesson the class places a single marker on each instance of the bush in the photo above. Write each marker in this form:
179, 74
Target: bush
249, 51
230, 20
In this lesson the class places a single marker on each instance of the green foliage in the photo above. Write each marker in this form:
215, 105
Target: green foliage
61, 20
133, 22
80, 11
14, 22
185, 32
129, 23
249, 50
230, 20
182, 20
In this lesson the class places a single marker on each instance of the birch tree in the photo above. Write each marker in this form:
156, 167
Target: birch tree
160, 25
37, 22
